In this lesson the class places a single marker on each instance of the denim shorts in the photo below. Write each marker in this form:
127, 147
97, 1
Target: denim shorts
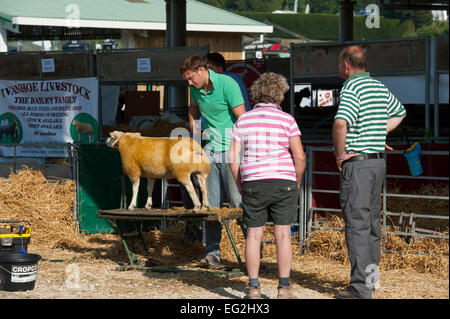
274, 198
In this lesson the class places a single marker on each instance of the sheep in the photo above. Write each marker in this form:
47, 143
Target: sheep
162, 157
84, 128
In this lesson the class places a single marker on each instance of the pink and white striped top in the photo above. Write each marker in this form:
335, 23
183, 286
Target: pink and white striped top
264, 134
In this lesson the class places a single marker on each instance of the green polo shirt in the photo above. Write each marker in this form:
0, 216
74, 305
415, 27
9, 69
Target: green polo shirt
216, 107
366, 105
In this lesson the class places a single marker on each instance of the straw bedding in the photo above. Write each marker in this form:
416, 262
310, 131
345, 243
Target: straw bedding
47, 205
425, 255
27, 195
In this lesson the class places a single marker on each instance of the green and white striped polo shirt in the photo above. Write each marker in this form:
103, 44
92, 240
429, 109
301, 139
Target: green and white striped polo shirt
366, 105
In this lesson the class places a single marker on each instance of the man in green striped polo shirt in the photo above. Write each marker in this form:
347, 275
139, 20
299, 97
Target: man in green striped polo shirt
367, 113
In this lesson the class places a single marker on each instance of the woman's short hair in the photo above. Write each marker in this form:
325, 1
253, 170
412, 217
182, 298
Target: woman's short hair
192, 63
269, 88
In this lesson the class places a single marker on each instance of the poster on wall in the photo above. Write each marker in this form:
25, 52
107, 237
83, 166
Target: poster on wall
47, 112
302, 95
325, 98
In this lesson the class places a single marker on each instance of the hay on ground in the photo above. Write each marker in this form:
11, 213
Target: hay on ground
424, 255
27, 195
48, 206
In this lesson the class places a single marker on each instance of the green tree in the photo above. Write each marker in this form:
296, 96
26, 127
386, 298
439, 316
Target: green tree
420, 18
327, 6
434, 29
289, 5
258, 5
361, 4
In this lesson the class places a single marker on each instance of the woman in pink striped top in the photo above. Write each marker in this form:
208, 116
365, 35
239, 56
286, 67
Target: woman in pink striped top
267, 161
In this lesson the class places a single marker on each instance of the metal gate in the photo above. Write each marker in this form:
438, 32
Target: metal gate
408, 220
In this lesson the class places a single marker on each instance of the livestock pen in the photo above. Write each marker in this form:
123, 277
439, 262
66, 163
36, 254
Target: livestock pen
81, 253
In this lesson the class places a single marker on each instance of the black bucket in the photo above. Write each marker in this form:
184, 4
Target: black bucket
18, 271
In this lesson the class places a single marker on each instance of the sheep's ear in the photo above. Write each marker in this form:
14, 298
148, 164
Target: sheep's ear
116, 134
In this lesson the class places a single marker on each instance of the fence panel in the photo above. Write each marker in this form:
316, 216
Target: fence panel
406, 221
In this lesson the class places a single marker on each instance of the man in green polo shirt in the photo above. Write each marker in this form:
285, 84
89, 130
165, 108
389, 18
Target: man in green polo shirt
367, 113
218, 98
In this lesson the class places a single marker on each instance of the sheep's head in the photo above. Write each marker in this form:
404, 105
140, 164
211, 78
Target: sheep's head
113, 139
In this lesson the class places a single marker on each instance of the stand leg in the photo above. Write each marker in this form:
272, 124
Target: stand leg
138, 229
130, 253
230, 236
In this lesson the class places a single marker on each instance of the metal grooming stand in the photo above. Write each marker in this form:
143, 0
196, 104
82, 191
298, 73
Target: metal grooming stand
117, 218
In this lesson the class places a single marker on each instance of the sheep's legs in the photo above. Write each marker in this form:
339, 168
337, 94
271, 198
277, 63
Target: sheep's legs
150, 184
135, 182
201, 179
190, 189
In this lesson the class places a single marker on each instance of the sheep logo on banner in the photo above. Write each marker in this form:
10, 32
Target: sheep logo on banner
84, 129
10, 128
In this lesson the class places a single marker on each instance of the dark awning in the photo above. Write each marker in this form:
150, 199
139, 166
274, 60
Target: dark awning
37, 33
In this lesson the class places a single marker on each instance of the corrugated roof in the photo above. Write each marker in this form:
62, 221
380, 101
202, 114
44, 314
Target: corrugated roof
142, 12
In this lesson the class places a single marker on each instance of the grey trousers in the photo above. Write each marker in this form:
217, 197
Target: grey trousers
220, 182
360, 197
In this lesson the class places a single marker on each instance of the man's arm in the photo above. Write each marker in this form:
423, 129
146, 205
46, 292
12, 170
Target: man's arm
238, 110
339, 133
393, 122
194, 114
396, 113
339, 137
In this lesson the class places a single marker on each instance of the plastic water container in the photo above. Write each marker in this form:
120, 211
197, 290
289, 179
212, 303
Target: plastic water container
412, 155
294, 229
18, 271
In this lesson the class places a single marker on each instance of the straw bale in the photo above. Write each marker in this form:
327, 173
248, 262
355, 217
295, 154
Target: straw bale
27, 195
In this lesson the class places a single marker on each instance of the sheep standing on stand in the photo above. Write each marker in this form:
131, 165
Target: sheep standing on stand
162, 157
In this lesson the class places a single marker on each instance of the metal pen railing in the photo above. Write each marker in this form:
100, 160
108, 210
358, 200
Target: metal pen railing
413, 233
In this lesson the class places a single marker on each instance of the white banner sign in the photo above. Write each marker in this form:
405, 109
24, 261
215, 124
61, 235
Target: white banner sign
47, 112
